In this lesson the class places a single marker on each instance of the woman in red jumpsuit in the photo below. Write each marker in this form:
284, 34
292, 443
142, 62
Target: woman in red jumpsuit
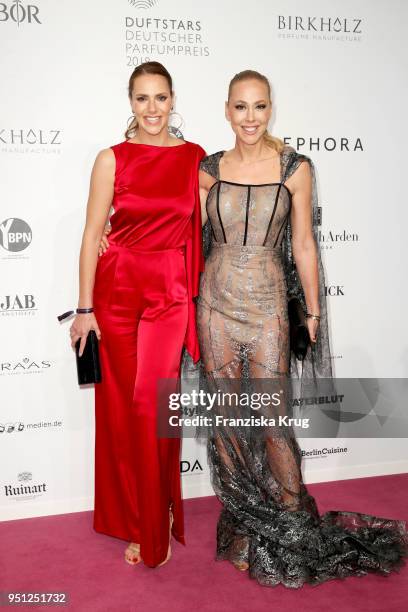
140, 293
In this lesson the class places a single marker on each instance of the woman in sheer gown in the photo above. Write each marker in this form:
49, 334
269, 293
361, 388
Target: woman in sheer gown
269, 523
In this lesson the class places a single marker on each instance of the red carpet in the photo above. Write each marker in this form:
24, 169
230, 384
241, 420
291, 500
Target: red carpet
63, 553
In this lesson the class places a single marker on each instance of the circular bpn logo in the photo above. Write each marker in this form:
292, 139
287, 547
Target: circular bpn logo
15, 235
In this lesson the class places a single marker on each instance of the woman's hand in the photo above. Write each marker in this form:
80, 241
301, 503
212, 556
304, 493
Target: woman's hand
80, 328
312, 327
104, 244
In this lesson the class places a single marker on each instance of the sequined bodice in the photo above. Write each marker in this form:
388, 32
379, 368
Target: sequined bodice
246, 215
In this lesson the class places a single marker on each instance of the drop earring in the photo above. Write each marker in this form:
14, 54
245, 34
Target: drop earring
175, 130
130, 119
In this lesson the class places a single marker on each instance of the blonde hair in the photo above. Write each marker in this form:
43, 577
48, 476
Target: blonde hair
245, 75
146, 68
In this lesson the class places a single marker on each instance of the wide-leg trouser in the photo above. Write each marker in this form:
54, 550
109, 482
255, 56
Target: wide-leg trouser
140, 303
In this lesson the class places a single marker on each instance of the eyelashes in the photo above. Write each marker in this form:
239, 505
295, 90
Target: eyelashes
160, 98
258, 107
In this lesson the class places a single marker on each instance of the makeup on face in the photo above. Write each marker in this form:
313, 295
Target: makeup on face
151, 103
249, 110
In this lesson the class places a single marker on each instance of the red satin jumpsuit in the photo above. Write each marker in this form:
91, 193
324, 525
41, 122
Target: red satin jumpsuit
143, 301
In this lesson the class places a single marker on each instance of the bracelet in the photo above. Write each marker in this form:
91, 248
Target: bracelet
69, 313
315, 317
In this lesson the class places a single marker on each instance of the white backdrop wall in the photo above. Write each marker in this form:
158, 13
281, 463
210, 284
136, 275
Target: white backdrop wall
340, 96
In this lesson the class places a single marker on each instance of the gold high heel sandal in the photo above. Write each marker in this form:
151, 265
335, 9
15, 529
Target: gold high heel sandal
242, 566
241, 550
168, 557
132, 554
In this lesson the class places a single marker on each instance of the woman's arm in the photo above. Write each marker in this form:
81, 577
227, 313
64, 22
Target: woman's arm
303, 242
99, 203
206, 181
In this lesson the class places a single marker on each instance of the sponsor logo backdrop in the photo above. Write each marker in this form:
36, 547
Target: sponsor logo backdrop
337, 77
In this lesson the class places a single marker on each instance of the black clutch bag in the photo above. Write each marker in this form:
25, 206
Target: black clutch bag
299, 334
88, 365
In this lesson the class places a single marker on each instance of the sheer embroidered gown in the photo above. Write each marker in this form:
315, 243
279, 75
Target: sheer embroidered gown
268, 519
